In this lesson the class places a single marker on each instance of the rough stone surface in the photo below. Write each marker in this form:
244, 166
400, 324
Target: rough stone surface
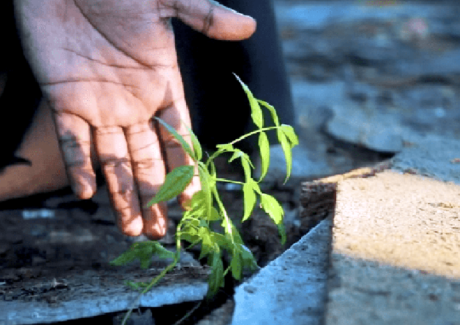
375, 73
396, 251
291, 289
438, 158
73, 297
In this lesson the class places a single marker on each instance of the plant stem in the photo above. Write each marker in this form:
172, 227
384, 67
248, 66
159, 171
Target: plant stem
254, 132
188, 313
151, 284
228, 181
218, 152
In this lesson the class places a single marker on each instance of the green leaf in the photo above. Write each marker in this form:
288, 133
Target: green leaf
236, 154
225, 147
286, 146
196, 144
214, 216
256, 112
272, 111
175, 183
207, 245
178, 137
222, 241
206, 182
190, 236
236, 265
143, 251
236, 235
290, 134
272, 207
249, 199
213, 171
125, 258
160, 251
248, 259
216, 279
245, 162
282, 232
197, 204
264, 147
136, 285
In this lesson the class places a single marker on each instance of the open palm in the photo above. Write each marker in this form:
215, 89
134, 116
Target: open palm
107, 67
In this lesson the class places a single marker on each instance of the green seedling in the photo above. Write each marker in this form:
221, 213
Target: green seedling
206, 208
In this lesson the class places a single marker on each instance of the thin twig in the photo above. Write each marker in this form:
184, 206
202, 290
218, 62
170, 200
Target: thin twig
188, 314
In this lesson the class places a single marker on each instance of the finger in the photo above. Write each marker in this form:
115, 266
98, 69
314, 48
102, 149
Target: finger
214, 20
149, 174
177, 116
75, 141
116, 165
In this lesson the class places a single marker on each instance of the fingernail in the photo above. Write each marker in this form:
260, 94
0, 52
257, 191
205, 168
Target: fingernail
155, 221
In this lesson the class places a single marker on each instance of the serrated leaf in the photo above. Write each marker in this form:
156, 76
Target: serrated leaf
272, 111
256, 112
196, 144
249, 200
272, 207
175, 183
216, 279
286, 146
264, 146
290, 134
178, 137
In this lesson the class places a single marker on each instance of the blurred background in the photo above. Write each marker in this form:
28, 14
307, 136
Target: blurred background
369, 77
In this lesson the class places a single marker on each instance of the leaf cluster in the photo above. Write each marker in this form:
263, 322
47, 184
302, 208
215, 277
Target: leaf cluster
206, 208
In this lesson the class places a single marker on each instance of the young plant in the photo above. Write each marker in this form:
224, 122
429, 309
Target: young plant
206, 207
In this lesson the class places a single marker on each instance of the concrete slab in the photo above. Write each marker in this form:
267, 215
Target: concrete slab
396, 249
291, 289
81, 294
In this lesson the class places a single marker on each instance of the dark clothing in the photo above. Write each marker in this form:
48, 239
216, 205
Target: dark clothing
219, 108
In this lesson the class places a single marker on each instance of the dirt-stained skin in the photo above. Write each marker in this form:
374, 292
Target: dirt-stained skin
106, 67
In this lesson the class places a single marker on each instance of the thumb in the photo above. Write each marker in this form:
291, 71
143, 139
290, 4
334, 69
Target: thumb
215, 20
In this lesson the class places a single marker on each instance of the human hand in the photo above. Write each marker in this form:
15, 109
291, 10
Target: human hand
107, 67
